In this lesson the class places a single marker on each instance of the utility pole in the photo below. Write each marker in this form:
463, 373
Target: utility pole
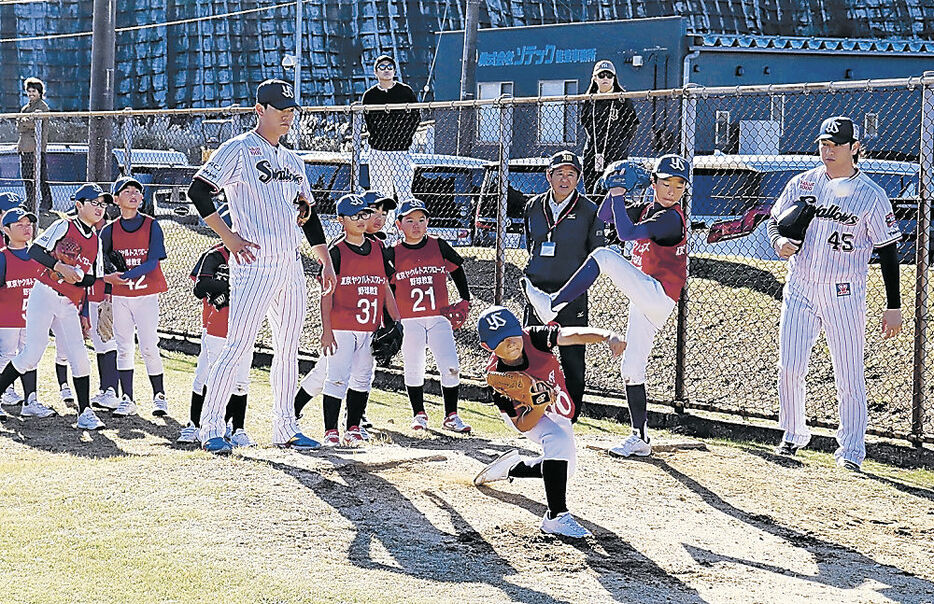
295, 133
467, 117
100, 130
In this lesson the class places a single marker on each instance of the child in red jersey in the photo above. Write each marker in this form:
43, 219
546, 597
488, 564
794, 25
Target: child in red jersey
349, 315
530, 350
18, 273
60, 291
652, 281
422, 264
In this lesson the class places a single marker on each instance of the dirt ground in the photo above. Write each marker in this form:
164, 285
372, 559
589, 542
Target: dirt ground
127, 515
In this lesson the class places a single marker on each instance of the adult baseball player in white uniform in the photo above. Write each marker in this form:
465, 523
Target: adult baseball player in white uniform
264, 184
826, 286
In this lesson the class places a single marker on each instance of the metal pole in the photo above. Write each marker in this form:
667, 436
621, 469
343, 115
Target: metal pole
102, 89
466, 119
37, 170
295, 133
688, 124
920, 363
505, 138
356, 153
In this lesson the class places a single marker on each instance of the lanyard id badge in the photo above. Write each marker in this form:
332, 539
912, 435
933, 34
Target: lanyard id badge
548, 249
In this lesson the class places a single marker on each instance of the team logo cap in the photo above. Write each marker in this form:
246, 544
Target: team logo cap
9, 200
375, 198
838, 129
410, 205
89, 191
497, 323
277, 93
122, 183
565, 158
673, 165
604, 65
351, 204
16, 214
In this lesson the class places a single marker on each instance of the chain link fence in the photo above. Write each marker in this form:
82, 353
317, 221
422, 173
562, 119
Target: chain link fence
476, 164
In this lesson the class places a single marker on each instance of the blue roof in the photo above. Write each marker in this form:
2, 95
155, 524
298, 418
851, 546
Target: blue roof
801, 43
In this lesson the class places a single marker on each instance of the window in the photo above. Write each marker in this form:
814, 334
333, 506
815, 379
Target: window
488, 115
557, 121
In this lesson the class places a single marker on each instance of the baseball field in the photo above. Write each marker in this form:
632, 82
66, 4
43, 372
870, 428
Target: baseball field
126, 515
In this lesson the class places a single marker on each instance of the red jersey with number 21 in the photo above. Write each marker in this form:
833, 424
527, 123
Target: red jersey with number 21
421, 279
546, 367
361, 290
20, 277
135, 247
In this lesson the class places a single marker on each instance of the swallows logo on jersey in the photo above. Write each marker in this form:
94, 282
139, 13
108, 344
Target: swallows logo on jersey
836, 214
268, 173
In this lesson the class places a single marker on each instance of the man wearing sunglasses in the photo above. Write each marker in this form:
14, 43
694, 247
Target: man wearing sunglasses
390, 133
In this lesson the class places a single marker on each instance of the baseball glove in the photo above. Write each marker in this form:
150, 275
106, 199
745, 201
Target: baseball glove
219, 301
66, 251
625, 174
794, 221
528, 394
105, 321
456, 313
386, 343
222, 272
117, 259
304, 209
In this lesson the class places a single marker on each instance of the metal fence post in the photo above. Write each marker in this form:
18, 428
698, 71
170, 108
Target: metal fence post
505, 144
688, 124
922, 259
37, 170
357, 139
128, 143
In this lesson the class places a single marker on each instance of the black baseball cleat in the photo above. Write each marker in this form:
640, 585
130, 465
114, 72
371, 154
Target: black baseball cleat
848, 465
787, 449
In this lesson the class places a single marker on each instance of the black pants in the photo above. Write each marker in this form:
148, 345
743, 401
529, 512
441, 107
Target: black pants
28, 165
572, 357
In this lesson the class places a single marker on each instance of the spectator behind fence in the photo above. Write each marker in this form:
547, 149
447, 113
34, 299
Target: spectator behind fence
610, 125
561, 229
26, 145
391, 133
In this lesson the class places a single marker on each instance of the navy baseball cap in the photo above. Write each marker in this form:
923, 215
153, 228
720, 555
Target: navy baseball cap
351, 205
411, 205
9, 200
122, 183
497, 323
838, 129
673, 165
375, 198
565, 158
277, 93
17, 214
89, 191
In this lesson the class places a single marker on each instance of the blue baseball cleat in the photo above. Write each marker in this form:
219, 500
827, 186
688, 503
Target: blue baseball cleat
300, 442
217, 446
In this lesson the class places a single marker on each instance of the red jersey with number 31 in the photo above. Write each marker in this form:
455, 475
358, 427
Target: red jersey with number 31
421, 279
135, 247
87, 258
361, 290
544, 366
20, 277
667, 264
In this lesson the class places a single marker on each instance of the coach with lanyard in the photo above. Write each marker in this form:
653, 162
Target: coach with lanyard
266, 190
561, 229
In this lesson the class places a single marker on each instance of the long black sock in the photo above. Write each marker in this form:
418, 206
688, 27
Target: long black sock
8, 376
126, 382
28, 380
356, 405
521, 470
301, 399
197, 403
450, 394
332, 409
61, 372
416, 398
107, 366
236, 411
82, 392
638, 415
555, 476
157, 387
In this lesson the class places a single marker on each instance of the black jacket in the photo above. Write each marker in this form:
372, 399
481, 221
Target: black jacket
578, 232
392, 131
622, 129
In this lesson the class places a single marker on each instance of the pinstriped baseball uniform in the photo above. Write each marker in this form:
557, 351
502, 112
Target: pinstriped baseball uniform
826, 289
261, 182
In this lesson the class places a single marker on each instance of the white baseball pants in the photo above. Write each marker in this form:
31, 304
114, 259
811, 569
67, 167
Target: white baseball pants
211, 347
555, 434
137, 316
436, 334
352, 364
46, 306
